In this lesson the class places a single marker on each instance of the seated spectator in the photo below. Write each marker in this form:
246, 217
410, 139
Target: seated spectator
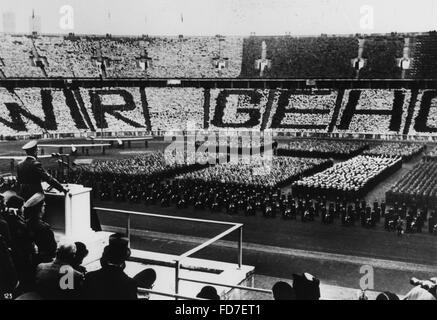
387, 296
8, 274
146, 280
22, 248
208, 292
115, 240
58, 280
81, 253
110, 282
306, 287
419, 293
4, 226
283, 291
39, 231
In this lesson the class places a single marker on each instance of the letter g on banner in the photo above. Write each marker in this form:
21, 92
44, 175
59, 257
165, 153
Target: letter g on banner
66, 21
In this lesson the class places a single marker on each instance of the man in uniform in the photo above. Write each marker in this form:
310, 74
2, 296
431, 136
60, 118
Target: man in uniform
39, 231
30, 173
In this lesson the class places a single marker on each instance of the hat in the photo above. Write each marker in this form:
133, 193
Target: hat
14, 202
30, 145
208, 292
36, 199
7, 195
118, 249
146, 278
81, 249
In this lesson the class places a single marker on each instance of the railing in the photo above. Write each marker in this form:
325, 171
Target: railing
227, 285
167, 294
178, 260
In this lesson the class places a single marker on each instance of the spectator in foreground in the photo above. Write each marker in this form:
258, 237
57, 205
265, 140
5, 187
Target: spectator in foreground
39, 231
81, 253
110, 282
387, 296
426, 290
208, 292
306, 287
22, 247
58, 280
283, 291
146, 280
8, 274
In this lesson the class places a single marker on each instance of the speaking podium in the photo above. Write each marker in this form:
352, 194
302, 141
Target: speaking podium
70, 216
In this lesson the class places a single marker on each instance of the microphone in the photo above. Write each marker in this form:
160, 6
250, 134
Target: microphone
63, 162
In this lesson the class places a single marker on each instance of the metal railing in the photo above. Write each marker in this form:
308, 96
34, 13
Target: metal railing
167, 294
178, 261
227, 285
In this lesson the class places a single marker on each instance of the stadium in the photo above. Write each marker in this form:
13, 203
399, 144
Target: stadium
232, 162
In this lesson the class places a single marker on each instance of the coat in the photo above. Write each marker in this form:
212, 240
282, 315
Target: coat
109, 283
30, 173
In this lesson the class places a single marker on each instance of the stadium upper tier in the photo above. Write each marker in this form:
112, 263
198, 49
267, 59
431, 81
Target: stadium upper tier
394, 56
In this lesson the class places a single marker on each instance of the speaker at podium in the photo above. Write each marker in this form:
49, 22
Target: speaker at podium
70, 214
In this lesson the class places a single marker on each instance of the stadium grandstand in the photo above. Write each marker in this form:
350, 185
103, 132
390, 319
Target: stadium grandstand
165, 148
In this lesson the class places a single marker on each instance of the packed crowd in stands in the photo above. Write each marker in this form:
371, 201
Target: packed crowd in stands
211, 57
381, 54
322, 148
192, 57
352, 178
16, 53
155, 57
417, 186
67, 58
404, 150
424, 64
175, 109
309, 111
302, 57
373, 111
42, 110
46, 111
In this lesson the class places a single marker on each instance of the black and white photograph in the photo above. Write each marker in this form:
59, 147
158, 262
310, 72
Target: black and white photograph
214, 154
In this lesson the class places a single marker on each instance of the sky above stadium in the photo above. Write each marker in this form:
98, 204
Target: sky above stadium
226, 17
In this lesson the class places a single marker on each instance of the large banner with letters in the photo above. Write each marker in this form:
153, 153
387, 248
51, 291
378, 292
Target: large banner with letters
48, 110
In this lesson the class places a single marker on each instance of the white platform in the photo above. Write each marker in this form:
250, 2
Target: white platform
192, 268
